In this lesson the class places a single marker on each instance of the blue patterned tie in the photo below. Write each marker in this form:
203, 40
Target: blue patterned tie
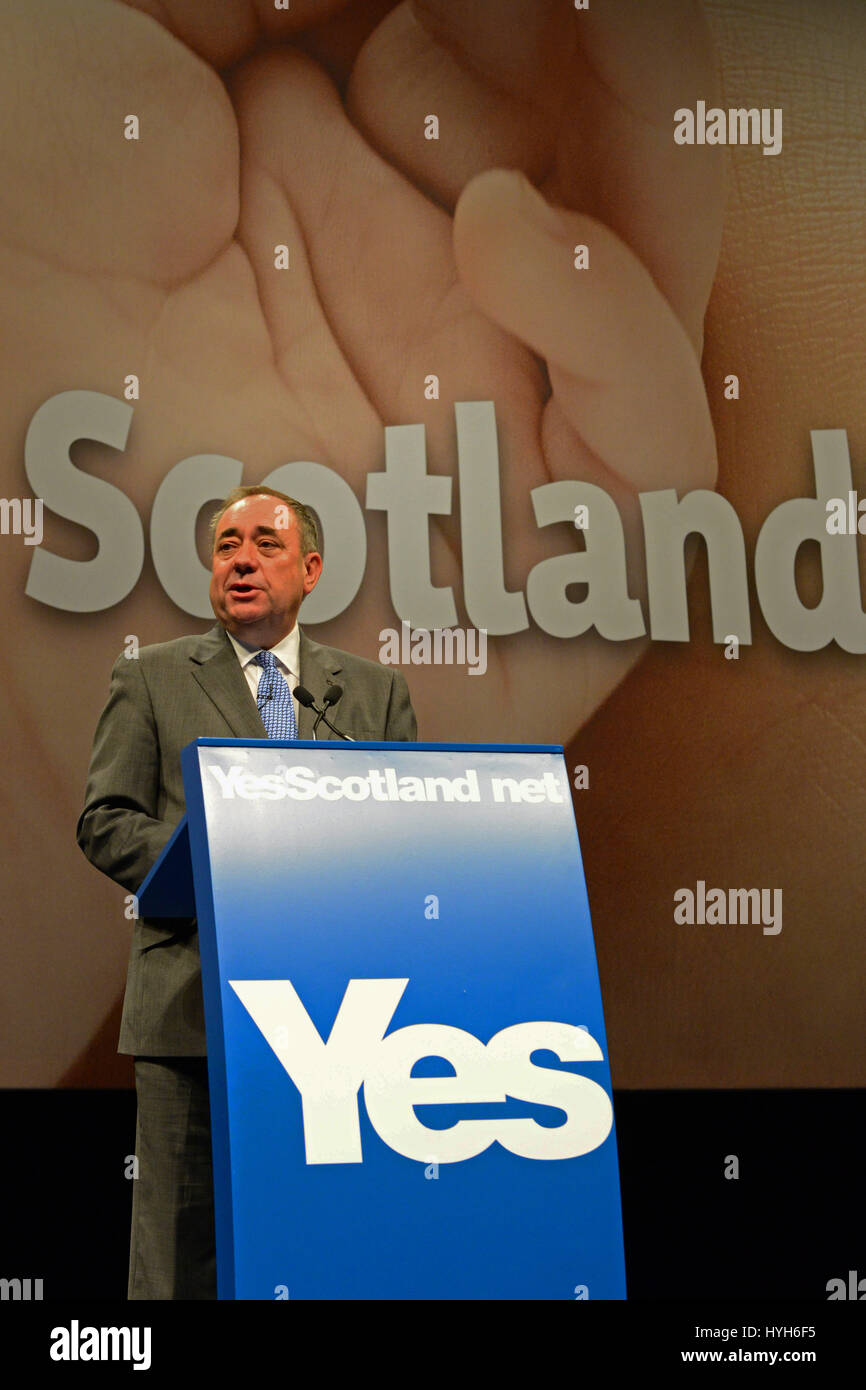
274, 699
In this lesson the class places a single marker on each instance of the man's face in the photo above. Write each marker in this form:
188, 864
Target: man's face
258, 574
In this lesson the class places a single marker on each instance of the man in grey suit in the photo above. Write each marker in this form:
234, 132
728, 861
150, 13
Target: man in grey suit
233, 682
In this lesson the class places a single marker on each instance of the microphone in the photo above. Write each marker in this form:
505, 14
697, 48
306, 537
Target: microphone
331, 696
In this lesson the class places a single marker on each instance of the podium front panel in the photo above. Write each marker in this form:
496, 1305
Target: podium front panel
410, 1088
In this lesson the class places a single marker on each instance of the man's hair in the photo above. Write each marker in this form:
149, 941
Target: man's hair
309, 531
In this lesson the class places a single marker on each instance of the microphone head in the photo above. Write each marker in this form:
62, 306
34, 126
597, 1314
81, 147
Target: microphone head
303, 696
332, 695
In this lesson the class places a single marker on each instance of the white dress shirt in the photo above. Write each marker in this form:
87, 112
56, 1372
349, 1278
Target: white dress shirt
288, 654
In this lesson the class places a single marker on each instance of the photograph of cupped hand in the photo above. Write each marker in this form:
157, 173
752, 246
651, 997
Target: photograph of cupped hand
426, 264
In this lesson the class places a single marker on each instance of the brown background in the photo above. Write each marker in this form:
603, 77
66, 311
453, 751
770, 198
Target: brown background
747, 773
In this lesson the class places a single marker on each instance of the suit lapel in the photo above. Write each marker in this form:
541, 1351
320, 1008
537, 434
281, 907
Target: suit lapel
218, 671
317, 673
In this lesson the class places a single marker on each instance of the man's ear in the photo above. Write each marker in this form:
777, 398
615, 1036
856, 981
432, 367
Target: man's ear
312, 570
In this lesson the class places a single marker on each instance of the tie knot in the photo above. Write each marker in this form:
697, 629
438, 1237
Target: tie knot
266, 659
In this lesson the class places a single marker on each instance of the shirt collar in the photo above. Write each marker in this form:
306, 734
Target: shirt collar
287, 651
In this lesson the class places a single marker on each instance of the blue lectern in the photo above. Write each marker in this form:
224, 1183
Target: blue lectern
410, 1092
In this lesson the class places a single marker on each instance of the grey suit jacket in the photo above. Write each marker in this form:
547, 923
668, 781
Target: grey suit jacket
171, 694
